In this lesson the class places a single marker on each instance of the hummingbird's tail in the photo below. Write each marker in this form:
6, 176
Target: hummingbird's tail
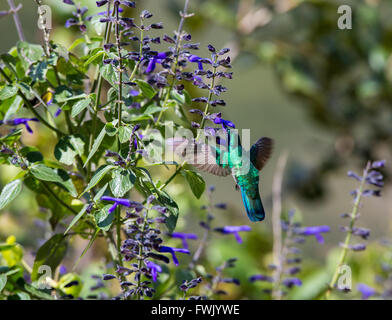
254, 206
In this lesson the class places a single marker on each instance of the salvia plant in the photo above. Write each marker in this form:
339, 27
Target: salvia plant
105, 102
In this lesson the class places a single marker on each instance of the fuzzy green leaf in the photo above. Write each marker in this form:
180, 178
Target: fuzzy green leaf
10, 192
195, 181
51, 253
98, 176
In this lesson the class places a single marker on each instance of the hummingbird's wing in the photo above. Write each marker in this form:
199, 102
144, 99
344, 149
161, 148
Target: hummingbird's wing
261, 151
200, 155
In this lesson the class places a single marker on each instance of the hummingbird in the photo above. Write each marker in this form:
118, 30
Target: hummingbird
228, 157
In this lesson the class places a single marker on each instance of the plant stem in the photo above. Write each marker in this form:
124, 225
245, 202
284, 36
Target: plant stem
354, 215
99, 80
183, 15
120, 69
16, 19
141, 254
276, 222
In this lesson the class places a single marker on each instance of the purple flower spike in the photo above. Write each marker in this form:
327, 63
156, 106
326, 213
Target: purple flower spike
173, 252
314, 231
154, 269
234, 230
117, 201
24, 121
184, 237
366, 291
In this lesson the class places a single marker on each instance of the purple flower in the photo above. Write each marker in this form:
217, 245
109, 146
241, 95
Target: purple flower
184, 237
378, 164
291, 282
196, 59
71, 22
233, 230
57, 112
154, 269
314, 231
159, 58
173, 252
24, 121
68, 2
108, 277
134, 93
366, 291
117, 201
62, 270
261, 277
101, 3
225, 123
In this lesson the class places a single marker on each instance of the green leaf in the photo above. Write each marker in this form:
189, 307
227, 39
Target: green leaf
42, 294
51, 253
76, 43
183, 98
32, 154
147, 90
3, 281
124, 134
37, 71
110, 129
123, 181
171, 205
8, 92
195, 181
29, 53
12, 136
100, 192
79, 106
68, 148
10, 192
76, 218
98, 176
90, 243
96, 145
109, 74
103, 218
42, 172
94, 58
13, 108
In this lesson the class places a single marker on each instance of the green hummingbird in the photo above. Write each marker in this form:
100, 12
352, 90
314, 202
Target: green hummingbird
229, 157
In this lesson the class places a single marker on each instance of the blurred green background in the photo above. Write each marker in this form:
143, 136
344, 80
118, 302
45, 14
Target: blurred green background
285, 71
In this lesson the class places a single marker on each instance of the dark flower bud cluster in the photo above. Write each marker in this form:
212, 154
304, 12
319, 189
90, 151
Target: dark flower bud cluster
80, 17
187, 285
219, 278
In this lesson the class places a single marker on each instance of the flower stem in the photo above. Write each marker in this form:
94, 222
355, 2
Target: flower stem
120, 68
184, 15
354, 215
18, 25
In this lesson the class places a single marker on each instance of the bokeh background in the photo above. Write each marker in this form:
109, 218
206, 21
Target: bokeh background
323, 94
